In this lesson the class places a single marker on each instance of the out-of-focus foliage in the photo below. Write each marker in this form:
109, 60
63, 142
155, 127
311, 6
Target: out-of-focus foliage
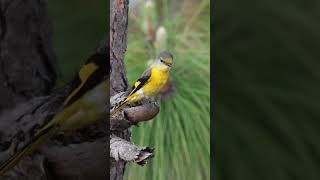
78, 26
181, 132
267, 117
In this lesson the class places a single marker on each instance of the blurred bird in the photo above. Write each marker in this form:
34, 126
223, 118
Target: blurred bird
151, 82
86, 104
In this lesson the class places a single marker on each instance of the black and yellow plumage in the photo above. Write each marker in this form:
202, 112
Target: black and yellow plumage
150, 83
85, 104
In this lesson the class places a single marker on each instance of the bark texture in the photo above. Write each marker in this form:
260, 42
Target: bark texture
27, 60
131, 115
122, 149
27, 65
118, 79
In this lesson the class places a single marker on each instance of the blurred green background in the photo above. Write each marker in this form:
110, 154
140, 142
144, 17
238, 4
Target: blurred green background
267, 102
78, 26
181, 132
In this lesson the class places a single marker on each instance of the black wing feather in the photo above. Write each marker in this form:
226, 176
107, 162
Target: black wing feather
143, 80
95, 79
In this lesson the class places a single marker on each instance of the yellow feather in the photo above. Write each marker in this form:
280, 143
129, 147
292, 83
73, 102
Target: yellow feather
137, 84
158, 79
84, 75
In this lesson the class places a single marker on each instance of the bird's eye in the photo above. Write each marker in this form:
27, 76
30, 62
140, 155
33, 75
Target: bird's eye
161, 60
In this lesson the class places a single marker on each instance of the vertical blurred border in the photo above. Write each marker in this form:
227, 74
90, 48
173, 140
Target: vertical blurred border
267, 61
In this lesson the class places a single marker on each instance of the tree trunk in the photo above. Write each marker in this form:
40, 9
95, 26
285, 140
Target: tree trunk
118, 80
27, 59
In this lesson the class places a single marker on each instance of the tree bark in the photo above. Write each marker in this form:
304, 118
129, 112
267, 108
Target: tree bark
118, 79
27, 60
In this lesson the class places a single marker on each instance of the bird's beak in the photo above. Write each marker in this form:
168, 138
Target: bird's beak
168, 64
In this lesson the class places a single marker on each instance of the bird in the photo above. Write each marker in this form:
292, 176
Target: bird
150, 83
85, 104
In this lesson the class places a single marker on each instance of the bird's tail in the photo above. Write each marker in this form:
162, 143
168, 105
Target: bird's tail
14, 159
119, 108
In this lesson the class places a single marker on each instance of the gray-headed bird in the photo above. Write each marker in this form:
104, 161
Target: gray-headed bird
151, 82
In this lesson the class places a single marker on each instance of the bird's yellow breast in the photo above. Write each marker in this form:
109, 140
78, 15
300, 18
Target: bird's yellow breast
158, 79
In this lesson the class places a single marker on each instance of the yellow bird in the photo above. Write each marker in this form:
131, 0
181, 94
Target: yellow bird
86, 104
151, 81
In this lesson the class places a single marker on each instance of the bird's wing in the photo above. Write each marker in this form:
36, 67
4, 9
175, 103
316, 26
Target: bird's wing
141, 81
90, 75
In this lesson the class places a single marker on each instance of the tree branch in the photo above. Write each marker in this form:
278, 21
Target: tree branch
132, 115
121, 149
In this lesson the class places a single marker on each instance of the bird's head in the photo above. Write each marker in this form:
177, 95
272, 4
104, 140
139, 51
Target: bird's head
166, 59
